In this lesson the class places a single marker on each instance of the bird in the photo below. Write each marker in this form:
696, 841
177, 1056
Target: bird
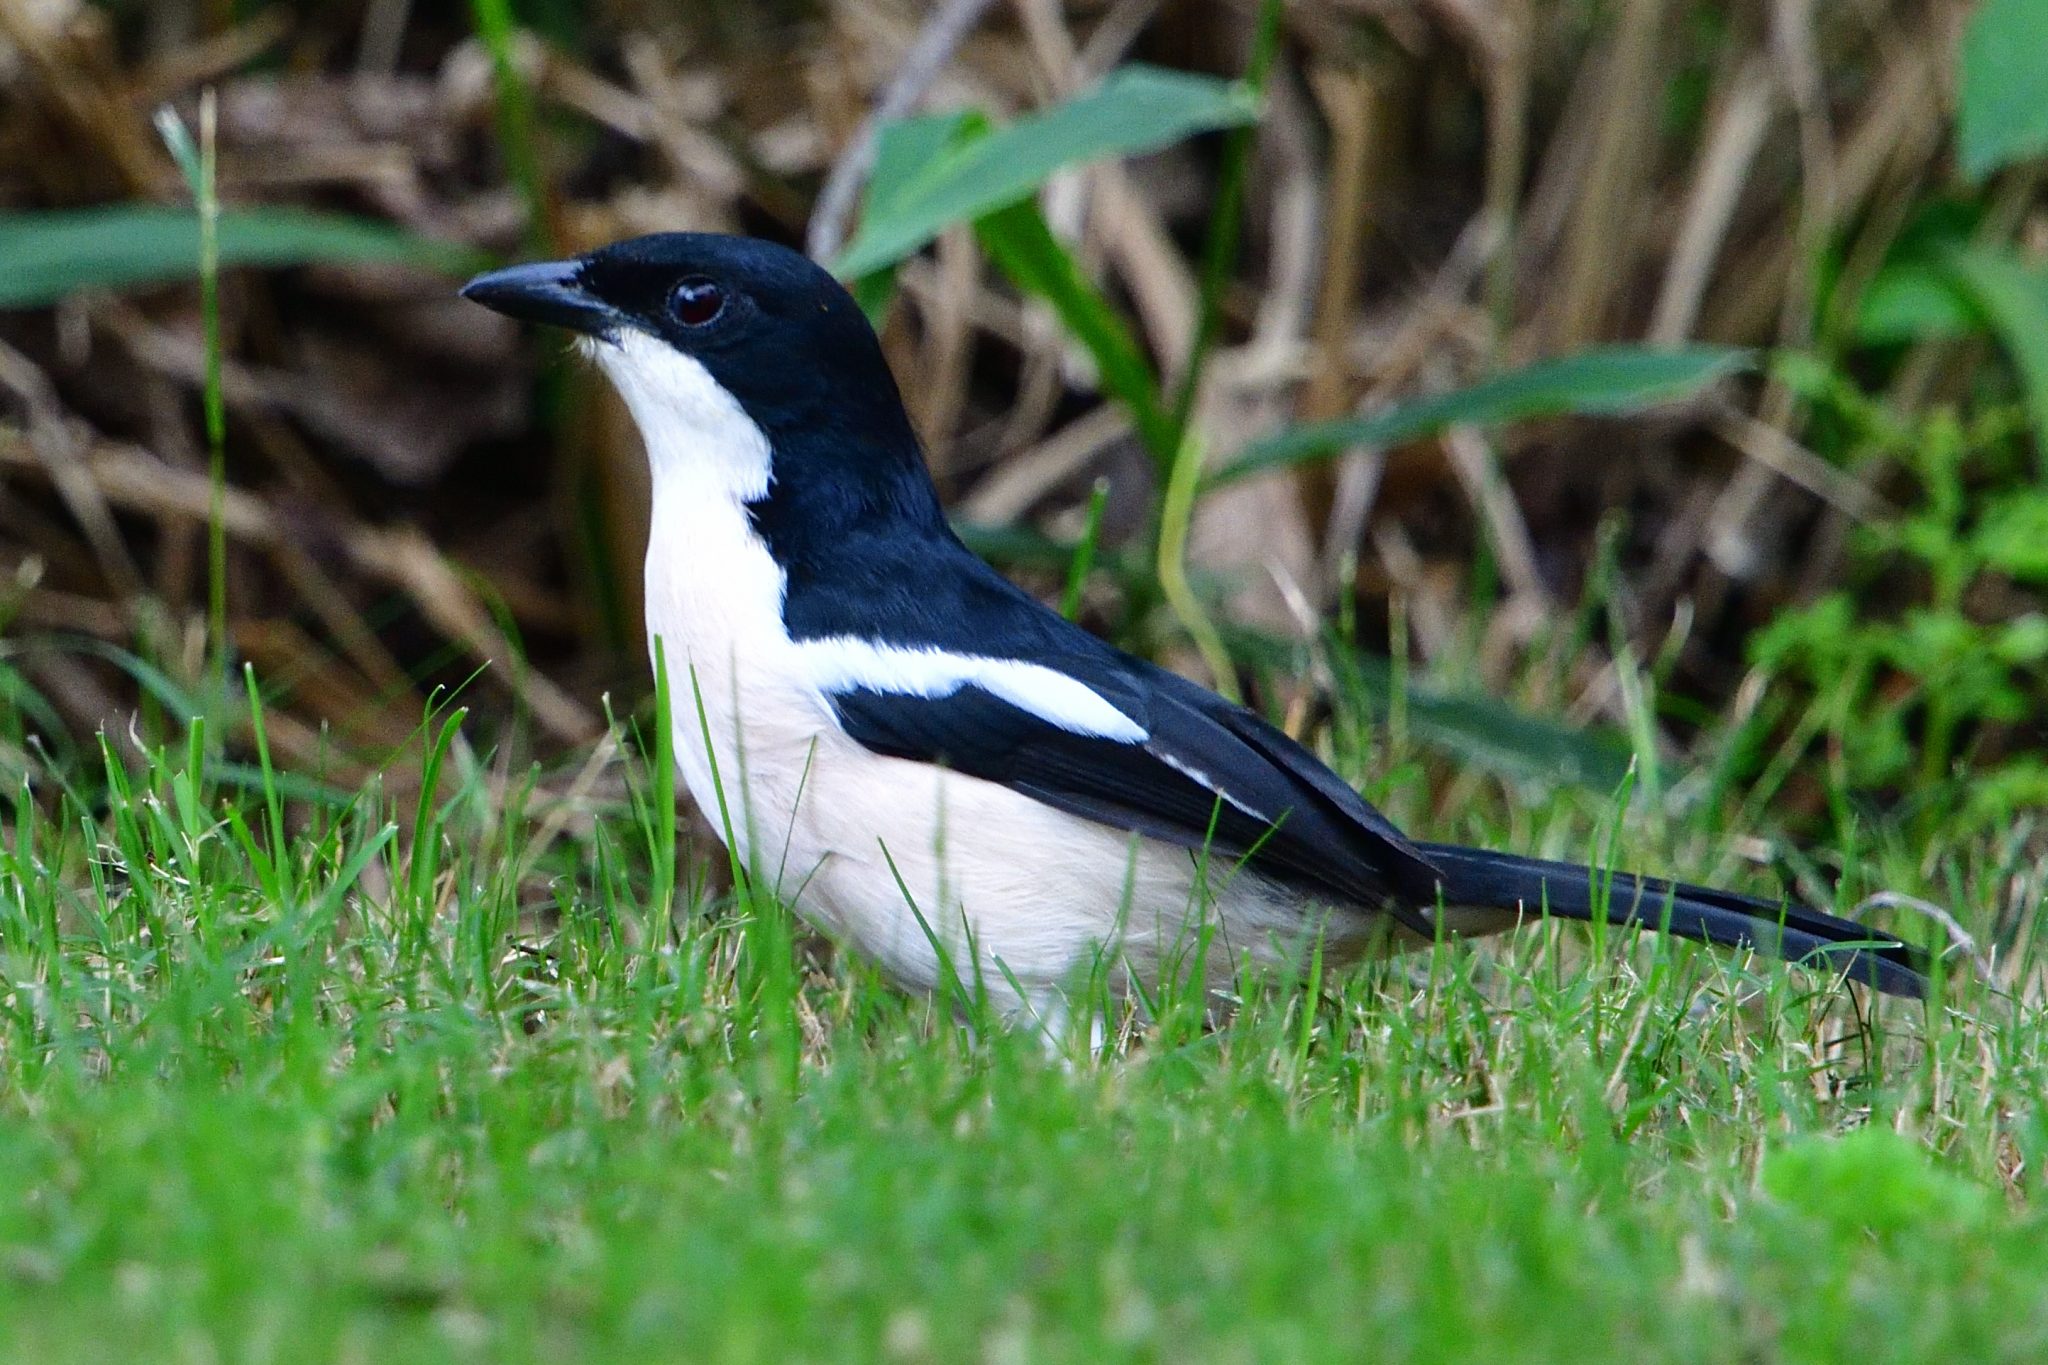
932, 766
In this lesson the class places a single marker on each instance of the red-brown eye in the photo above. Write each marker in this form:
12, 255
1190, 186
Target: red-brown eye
696, 302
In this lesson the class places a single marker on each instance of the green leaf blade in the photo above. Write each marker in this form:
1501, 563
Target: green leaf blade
1024, 248
907, 148
1137, 109
903, 149
2003, 86
1607, 381
1478, 729
1912, 302
51, 255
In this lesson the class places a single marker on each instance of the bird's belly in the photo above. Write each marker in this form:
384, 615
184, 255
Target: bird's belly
920, 868
908, 862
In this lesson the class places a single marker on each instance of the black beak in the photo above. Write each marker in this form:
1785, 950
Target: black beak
547, 291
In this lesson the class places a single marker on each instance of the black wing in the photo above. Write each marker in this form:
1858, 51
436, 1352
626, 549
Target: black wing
1208, 774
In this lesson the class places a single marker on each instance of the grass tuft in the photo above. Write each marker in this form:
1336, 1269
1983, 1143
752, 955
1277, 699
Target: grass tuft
270, 1072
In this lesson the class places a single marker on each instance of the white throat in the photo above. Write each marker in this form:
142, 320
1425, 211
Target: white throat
700, 441
714, 592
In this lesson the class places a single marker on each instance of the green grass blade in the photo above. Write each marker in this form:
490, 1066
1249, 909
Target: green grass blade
201, 168
52, 254
1083, 562
1605, 381
273, 796
1481, 730
1219, 249
1023, 247
497, 28
1170, 563
664, 800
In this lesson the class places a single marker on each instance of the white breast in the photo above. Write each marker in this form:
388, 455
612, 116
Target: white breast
887, 854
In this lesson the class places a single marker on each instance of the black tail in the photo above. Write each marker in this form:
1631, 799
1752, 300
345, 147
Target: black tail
1502, 881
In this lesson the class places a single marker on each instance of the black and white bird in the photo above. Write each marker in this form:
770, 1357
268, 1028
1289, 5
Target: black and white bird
921, 756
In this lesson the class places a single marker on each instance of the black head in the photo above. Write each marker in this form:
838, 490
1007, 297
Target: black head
770, 328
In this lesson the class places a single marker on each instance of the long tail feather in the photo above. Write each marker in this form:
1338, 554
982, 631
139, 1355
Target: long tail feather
1502, 881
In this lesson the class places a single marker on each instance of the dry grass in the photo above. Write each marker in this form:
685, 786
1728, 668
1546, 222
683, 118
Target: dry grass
418, 492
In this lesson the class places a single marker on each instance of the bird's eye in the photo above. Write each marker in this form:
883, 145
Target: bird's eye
697, 302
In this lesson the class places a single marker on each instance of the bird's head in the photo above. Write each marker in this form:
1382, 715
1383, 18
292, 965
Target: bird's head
742, 361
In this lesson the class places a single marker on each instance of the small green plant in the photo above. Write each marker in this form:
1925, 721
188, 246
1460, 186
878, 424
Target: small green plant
1953, 668
1930, 666
200, 164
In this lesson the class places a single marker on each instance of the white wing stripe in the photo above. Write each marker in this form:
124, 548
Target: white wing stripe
841, 663
1208, 783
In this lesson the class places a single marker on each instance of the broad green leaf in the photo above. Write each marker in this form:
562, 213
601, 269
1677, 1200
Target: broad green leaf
50, 255
1137, 109
2003, 114
1509, 743
872, 293
1019, 242
908, 147
902, 150
1513, 744
2015, 299
1608, 380
1023, 247
1915, 302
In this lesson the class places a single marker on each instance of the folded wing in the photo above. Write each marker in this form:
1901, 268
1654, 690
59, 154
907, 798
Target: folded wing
1176, 764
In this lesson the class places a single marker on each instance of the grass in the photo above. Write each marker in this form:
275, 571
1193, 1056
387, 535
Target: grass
294, 1073
461, 1094
199, 163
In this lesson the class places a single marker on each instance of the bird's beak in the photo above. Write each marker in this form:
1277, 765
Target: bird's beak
546, 291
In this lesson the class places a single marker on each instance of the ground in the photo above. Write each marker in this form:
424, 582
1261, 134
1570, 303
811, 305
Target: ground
485, 1102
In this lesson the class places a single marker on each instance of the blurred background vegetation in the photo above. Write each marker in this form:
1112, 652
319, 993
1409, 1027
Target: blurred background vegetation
1810, 573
